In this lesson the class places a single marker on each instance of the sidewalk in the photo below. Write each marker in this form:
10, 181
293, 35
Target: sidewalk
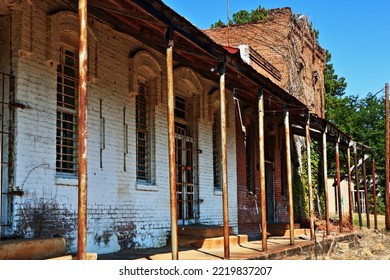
279, 248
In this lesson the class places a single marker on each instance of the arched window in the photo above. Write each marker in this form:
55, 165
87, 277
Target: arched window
67, 119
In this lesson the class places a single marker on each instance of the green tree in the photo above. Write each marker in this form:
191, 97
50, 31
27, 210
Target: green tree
218, 24
243, 16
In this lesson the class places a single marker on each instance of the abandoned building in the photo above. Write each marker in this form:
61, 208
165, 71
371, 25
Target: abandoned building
284, 48
181, 130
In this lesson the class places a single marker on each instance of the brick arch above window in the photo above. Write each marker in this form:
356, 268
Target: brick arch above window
184, 75
144, 64
67, 23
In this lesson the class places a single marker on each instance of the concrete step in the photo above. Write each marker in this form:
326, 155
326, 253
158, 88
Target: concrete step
200, 230
211, 242
283, 226
286, 232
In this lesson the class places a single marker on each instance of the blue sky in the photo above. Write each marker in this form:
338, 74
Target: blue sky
356, 32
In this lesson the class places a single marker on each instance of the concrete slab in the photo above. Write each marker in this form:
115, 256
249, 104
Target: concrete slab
279, 248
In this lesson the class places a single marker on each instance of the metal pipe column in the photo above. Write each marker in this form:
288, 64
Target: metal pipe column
366, 191
309, 178
339, 187
171, 145
387, 174
350, 197
325, 168
289, 176
263, 201
224, 164
374, 193
359, 206
82, 133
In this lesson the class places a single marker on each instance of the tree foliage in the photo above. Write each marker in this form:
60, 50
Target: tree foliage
361, 118
243, 16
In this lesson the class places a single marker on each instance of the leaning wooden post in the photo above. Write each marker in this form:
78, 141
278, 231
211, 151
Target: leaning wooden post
289, 176
171, 144
309, 178
82, 133
339, 187
222, 72
350, 195
366, 191
263, 202
325, 168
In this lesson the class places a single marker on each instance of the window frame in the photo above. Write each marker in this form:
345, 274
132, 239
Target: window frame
67, 113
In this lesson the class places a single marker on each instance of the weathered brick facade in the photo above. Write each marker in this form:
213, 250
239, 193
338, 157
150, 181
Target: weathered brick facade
122, 212
284, 49
288, 43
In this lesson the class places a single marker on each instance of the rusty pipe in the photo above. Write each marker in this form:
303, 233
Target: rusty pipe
325, 169
350, 199
374, 193
339, 187
309, 178
263, 201
224, 164
357, 186
171, 148
387, 174
82, 133
289, 177
366, 192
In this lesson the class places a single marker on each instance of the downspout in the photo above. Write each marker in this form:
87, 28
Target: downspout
243, 128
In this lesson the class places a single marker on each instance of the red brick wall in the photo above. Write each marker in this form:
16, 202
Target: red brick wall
287, 43
249, 219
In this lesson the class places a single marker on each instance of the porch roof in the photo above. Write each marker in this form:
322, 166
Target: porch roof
149, 21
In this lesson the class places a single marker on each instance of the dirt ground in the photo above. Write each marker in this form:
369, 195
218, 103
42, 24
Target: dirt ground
370, 245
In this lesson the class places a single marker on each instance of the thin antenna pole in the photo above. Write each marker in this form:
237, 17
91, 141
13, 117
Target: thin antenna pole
228, 19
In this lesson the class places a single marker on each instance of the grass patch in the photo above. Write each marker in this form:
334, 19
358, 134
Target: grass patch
381, 220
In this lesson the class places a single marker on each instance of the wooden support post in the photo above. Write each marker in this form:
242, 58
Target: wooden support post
309, 178
374, 193
339, 187
171, 144
366, 191
325, 168
289, 177
82, 133
224, 162
387, 172
350, 194
359, 206
263, 201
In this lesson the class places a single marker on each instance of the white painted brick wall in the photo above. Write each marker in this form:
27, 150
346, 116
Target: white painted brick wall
116, 208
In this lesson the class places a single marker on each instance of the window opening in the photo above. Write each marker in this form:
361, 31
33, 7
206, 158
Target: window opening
143, 135
67, 119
